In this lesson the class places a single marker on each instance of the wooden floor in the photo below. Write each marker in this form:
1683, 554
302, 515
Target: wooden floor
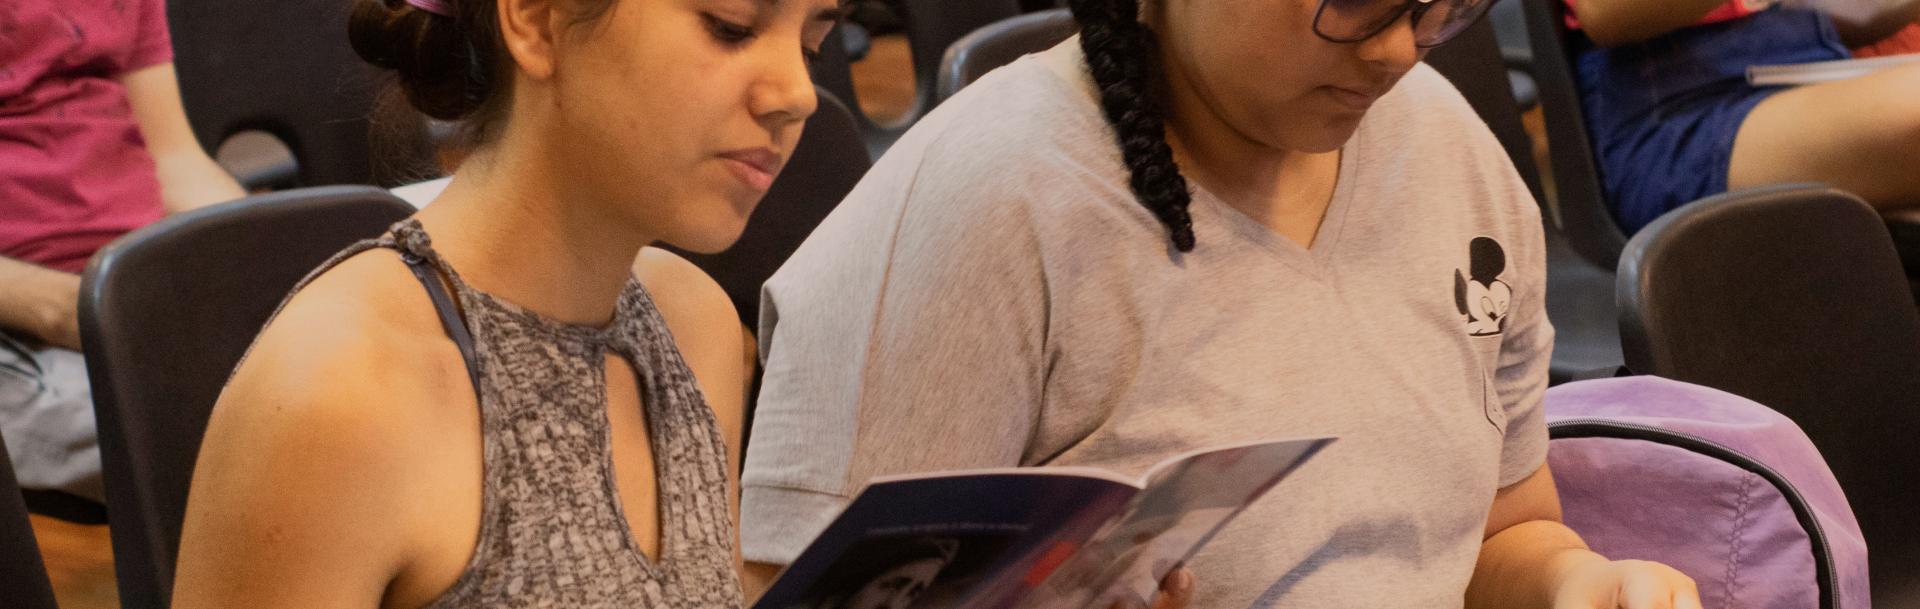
79, 561
884, 81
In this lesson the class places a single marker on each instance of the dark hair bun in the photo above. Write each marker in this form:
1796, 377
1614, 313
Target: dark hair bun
443, 63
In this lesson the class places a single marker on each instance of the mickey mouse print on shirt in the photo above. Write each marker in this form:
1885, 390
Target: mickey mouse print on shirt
1480, 294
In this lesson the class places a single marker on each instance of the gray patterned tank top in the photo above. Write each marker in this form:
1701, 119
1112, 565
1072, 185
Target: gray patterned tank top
553, 533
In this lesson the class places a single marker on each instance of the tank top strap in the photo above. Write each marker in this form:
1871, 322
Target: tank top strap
450, 319
411, 240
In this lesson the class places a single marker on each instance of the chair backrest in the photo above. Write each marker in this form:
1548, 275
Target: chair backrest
1792, 296
23, 577
829, 160
934, 25
833, 70
998, 44
1472, 62
286, 68
1510, 27
165, 314
931, 27
1579, 206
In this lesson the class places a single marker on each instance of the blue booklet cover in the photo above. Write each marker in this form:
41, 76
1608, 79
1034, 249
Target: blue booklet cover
1028, 537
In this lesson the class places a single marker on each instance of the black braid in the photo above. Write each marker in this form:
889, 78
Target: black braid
1123, 56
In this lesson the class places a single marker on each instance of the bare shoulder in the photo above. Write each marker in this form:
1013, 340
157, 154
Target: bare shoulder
705, 326
363, 329
356, 368
680, 288
702, 318
328, 446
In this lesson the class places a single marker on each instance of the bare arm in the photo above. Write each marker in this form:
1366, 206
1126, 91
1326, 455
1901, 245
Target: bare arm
323, 477
40, 302
1530, 559
288, 507
189, 179
1618, 22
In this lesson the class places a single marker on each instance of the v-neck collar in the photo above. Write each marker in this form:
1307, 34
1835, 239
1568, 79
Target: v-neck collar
1067, 62
1313, 260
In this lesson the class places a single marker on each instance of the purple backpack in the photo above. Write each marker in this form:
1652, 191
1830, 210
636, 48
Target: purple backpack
1720, 487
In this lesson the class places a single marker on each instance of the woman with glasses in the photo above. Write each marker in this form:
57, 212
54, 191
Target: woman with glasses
1664, 87
1201, 222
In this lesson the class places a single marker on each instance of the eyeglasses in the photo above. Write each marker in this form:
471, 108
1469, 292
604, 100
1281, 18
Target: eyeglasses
1434, 21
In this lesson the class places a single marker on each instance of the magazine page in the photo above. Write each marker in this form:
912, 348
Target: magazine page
935, 542
1822, 71
1187, 499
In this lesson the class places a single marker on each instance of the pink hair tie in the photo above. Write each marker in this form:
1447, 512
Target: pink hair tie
437, 7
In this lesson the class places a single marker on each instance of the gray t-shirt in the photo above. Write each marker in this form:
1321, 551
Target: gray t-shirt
992, 295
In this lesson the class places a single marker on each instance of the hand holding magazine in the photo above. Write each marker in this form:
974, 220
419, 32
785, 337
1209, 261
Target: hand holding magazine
1055, 537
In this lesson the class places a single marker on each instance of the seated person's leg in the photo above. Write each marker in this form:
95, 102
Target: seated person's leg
46, 417
1861, 135
1665, 113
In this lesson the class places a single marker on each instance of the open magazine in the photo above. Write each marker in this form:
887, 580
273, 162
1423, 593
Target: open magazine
1822, 71
1029, 537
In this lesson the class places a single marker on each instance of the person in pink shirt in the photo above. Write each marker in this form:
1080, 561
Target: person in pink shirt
93, 144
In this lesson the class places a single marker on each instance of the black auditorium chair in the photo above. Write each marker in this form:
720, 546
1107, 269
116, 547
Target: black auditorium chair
1473, 63
930, 26
1510, 27
280, 81
1580, 208
833, 70
934, 25
165, 314
23, 577
998, 44
1792, 296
